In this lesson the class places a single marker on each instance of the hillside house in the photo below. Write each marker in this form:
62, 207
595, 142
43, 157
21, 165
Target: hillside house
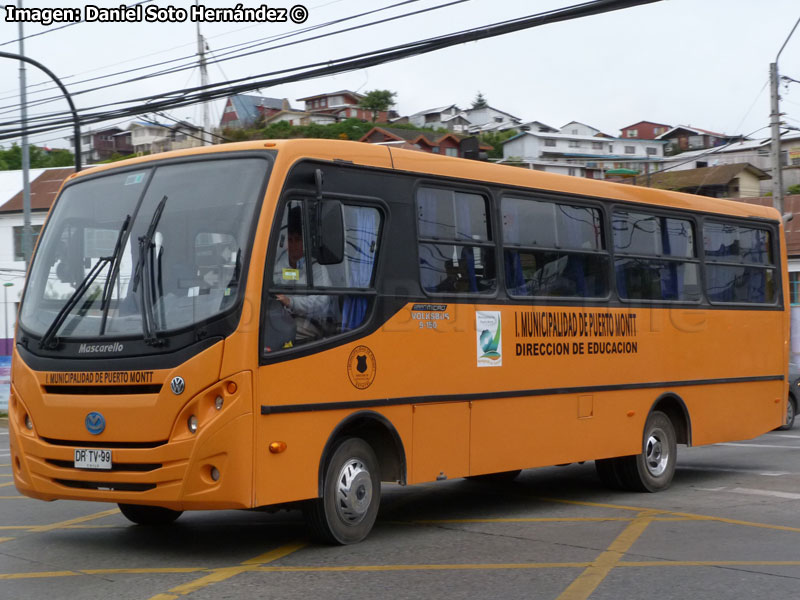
449, 144
580, 154
243, 110
102, 144
644, 130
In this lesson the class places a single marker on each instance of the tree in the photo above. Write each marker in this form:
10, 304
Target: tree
377, 101
480, 101
495, 139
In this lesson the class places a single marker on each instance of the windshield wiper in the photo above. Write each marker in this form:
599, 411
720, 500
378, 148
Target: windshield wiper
49, 339
112, 273
143, 270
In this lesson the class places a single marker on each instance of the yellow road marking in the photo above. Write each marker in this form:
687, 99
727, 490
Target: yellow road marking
682, 515
38, 575
224, 573
537, 520
64, 524
587, 582
139, 571
5, 539
379, 568
6, 484
445, 567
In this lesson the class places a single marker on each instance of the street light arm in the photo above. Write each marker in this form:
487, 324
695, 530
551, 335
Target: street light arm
75, 119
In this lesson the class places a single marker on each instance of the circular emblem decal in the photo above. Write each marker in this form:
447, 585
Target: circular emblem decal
361, 367
95, 423
177, 385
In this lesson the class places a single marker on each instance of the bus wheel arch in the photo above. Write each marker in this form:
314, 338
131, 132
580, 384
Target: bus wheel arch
672, 405
363, 450
380, 434
667, 425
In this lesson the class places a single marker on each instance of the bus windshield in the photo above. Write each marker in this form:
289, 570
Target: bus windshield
145, 251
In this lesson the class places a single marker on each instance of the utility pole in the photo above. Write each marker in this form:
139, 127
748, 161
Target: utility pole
775, 146
775, 124
201, 51
27, 237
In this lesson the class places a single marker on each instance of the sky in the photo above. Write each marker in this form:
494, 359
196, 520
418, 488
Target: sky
703, 63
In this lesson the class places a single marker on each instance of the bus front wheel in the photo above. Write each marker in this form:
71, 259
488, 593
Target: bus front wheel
149, 515
351, 493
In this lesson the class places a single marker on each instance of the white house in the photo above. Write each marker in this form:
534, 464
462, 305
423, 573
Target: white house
44, 184
488, 118
144, 134
434, 117
581, 155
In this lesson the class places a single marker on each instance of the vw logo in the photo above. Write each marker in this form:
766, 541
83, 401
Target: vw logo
177, 385
95, 423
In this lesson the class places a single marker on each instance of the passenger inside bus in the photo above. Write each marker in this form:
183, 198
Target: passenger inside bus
309, 311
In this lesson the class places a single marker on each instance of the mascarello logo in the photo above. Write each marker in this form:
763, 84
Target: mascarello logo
488, 327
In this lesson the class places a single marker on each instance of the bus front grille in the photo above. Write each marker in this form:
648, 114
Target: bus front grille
121, 467
106, 486
109, 445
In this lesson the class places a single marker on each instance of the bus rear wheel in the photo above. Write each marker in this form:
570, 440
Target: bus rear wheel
351, 494
653, 469
149, 515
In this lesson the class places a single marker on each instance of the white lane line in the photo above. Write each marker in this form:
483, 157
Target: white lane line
3, 433
774, 494
757, 445
785, 435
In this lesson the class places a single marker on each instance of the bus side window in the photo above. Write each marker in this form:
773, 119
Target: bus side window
310, 305
456, 254
553, 249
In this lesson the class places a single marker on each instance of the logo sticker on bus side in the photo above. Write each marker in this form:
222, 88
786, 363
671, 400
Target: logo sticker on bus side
361, 367
489, 330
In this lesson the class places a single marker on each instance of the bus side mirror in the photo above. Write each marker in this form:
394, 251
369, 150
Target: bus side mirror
330, 232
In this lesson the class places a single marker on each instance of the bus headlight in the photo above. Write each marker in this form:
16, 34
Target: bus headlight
28, 422
191, 423
218, 402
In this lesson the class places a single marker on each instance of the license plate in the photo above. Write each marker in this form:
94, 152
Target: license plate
92, 458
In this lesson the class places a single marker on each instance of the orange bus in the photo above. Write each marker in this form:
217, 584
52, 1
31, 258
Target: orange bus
175, 351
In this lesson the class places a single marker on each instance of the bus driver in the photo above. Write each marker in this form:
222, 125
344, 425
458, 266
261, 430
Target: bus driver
309, 311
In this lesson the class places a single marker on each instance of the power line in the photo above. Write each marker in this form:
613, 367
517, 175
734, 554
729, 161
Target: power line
52, 29
247, 46
177, 98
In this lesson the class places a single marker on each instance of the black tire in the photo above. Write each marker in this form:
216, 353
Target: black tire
149, 515
351, 494
791, 411
502, 477
653, 469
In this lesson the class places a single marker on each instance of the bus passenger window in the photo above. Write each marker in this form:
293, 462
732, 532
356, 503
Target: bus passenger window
655, 257
329, 300
553, 249
456, 255
739, 264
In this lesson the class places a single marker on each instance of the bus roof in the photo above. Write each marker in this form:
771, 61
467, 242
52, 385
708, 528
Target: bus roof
372, 155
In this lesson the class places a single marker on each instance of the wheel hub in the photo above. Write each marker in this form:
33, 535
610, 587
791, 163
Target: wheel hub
353, 492
656, 454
